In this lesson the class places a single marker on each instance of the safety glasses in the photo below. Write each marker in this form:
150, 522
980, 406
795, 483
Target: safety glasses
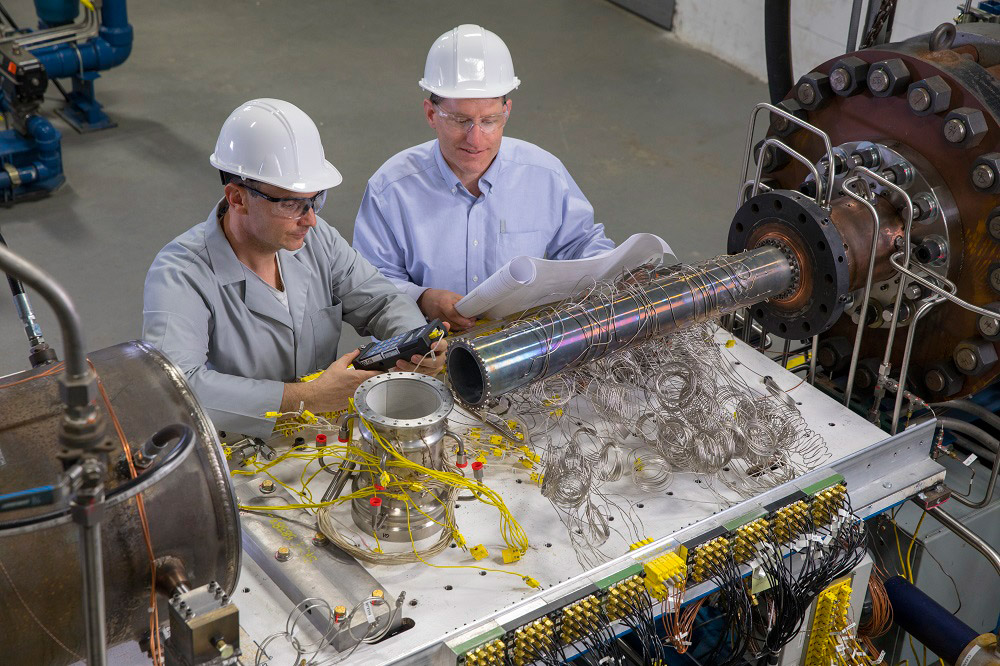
290, 208
487, 124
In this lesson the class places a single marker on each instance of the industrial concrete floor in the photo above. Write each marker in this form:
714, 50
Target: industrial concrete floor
652, 130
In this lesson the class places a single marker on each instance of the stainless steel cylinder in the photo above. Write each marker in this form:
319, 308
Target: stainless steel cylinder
192, 514
410, 412
481, 369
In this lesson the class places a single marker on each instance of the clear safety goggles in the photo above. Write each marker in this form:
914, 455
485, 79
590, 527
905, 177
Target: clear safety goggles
290, 208
487, 124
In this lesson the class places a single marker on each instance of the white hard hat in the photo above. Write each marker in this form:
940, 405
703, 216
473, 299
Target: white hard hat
274, 142
469, 62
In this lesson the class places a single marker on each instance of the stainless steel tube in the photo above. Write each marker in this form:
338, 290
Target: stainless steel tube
93, 594
967, 535
482, 368
58, 299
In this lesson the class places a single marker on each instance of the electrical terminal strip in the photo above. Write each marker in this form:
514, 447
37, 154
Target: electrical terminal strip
827, 503
707, 557
790, 521
533, 639
639, 544
622, 595
580, 619
665, 571
493, 653
832, 607
746, 539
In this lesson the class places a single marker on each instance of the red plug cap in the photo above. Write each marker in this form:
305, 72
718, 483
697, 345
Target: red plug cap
465, 464
321, 438
375, 501
342, 438
477, 465
378, 487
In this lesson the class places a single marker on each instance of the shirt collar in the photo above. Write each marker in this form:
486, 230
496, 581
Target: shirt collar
488, 179
225, 264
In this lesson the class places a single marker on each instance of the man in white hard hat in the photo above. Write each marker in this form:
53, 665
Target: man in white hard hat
254, 296
439, 218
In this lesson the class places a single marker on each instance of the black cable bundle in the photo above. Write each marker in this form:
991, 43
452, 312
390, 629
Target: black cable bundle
827, 554
734, 600
639, 617
600, 645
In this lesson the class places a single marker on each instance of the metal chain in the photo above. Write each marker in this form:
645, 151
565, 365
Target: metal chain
885, 11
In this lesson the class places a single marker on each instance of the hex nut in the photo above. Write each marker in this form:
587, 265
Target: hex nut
986, 173
973, 127
887, 78
848, 76
943, 379
783, 126
929, 96
813, 90
774, 159
973, 357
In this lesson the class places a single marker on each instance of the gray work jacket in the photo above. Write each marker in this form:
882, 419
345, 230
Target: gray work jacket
236, 343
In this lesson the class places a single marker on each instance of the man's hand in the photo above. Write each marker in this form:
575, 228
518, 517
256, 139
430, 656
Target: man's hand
429, 364
440, 304
330, 391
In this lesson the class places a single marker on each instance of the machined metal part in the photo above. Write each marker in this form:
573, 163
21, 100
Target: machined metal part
204, 627
483, 368
146, 392
409, 411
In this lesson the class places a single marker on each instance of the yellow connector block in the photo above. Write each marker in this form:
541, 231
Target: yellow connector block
510, 555
271, 415
496, 440
512, 424
479, 552
580, 619
623, 595
475, 435
537, 477
789, 521
498, 452
665, 571
832, 607
458, 538
309, 417
747, 538
491, 654
531, 582
707, 558
639, 544
526, 464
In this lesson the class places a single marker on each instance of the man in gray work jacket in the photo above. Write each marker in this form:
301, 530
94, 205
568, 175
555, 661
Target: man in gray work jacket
254, 296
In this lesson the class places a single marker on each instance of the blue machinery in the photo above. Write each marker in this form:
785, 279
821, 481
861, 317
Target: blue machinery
30, 151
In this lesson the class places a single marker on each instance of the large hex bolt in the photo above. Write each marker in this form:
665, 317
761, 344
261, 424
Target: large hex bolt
900, 173
888, 77
973, 357
965, 127
773, 158
943, 378
813, 90
993, 223
848, 76
834, 353
986, 173
866, 375
867, 156
930, 95
989, 327
783, 126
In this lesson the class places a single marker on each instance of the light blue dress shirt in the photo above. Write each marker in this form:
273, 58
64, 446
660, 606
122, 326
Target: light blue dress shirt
423, 229
236, 343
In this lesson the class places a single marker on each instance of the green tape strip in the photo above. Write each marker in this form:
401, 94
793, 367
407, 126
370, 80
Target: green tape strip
627, 572
481, 639
744, 519
824, 484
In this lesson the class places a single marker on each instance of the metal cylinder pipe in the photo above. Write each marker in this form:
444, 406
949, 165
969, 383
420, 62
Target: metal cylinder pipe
483, 368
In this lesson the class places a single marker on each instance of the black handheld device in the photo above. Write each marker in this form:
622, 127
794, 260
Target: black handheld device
383, 355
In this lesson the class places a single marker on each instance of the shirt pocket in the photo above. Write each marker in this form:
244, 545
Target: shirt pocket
512, 244
326, 325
